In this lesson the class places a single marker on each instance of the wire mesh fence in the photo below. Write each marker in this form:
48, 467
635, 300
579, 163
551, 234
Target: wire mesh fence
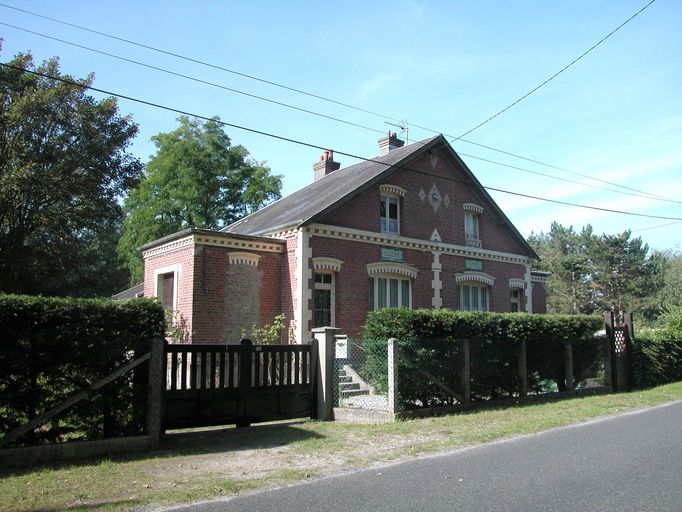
360, 374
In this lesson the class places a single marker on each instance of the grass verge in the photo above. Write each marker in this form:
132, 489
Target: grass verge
222, 462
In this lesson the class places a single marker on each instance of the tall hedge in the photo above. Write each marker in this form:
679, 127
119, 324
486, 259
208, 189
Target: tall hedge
430, 344
657, 358
53, 347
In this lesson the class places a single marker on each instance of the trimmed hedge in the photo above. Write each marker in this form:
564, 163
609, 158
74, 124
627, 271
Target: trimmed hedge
430, 343
657, 358
53, 347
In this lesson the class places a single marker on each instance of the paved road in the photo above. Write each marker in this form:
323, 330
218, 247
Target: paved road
631, 462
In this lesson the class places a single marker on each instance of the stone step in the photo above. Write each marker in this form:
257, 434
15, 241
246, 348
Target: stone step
346, 378
347, 386
354, 392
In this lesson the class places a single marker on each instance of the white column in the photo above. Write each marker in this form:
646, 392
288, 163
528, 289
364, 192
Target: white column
436, 283
529, 290
302, 313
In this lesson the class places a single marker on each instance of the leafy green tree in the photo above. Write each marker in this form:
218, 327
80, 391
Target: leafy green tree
196, 179
63, 170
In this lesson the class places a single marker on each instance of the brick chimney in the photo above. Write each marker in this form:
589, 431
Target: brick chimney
325, 165
389, 142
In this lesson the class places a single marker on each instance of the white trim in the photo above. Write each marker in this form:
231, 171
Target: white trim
529, 289
243, 258
471, 207
470, 276
321, 264
539, 279
391, 268
213, 240
170, 269
169, 247
302, 312
374, 238
516, 282
436, 283
392, 190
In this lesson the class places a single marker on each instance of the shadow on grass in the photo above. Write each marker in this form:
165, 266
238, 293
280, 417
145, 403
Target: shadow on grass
194, 442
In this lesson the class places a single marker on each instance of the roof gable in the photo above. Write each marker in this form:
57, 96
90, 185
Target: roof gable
330, 192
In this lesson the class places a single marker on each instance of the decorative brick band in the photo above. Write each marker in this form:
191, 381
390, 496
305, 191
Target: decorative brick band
470, 276
243, 258
392, 190
329, 264
169, 247
385, 267
539, 279
226, 241
471, 207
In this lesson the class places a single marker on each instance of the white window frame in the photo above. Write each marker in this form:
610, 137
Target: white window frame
385, 221
388, 279
472, 234
158, 287
326, 286
468, 289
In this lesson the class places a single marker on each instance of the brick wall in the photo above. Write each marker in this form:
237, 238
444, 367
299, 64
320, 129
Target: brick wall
288, 282
539, 298
418, 218
184, 257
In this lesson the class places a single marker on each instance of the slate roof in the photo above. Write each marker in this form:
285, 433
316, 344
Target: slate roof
313, 201
310, 202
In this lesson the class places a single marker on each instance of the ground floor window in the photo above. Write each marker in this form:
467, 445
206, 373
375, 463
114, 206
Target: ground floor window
389, 292
323, 300
515, 301
473, 297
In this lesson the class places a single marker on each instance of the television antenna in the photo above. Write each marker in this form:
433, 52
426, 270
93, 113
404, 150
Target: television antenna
404, 129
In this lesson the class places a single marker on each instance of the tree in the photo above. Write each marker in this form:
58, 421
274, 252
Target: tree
563, 253
622, 274
63, 170
195, 179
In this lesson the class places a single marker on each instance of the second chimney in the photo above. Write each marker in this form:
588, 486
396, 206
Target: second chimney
325, 165
389, 142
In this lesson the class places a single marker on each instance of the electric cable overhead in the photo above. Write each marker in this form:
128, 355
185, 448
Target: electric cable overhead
310, 145
557, 73
634, 192
330, 100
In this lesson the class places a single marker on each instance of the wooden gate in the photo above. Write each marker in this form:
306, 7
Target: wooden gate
619, 331
237, 384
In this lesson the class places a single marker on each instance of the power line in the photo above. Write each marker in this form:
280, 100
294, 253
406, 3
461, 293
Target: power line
318, 114
656, 227
557, 73
330, 100
310, 145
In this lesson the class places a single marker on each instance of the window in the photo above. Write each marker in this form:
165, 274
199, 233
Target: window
323, 300
390, 214
515, 301
166, 281
473, 297
389, 292
471, 237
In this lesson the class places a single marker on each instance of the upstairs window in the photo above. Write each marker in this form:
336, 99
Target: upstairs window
390, 214
471, 230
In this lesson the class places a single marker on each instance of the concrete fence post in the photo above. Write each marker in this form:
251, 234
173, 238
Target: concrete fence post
393, 397
523, 369
466, 371
326, 350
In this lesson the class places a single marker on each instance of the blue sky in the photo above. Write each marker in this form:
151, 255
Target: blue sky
615, 115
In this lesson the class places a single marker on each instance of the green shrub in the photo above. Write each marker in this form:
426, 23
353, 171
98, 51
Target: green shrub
431, 351
52, 347
657, 358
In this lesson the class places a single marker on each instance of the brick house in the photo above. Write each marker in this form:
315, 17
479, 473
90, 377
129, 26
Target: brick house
412, 227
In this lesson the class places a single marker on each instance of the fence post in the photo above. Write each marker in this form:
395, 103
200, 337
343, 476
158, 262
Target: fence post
466, 371
314, 356
393, 402
568, 364
245, 371
523, 369
157, 386
326, 349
